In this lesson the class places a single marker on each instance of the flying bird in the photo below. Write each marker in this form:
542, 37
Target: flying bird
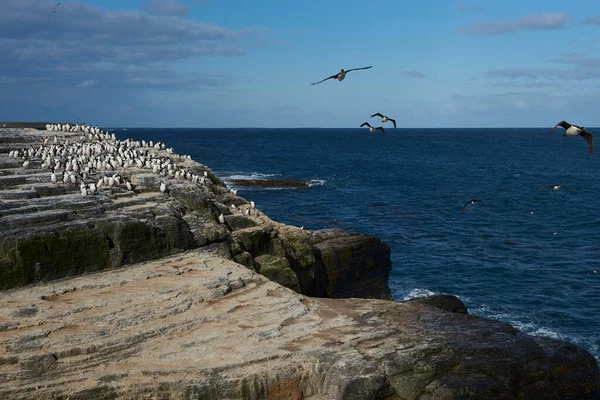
341, 75
54, 10
473, 201
574, 130
384, 118
372, 129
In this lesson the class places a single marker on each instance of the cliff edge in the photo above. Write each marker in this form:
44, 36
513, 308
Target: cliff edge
194, 316
58, 229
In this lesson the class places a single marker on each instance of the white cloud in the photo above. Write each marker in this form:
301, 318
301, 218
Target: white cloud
544, 21
166, 7
413, 73
87, 83
85, 44
463, 8
595, 20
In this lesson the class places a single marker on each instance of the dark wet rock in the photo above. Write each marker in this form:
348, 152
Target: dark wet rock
269, 183
278, 270
444, 302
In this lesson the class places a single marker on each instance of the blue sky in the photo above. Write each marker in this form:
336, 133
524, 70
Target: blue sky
240, 63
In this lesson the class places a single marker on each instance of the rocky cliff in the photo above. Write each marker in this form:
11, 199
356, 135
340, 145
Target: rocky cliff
50, 230
194, 316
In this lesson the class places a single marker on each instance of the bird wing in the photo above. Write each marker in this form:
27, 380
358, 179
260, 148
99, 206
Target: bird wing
589, 139
393, 121
365, 123
332, 76
381, 127
564, 124
465, 206
377, 115
356, 69
50, 14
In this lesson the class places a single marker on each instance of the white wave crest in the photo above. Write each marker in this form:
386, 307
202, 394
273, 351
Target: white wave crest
316, 182
247, 177
418, 292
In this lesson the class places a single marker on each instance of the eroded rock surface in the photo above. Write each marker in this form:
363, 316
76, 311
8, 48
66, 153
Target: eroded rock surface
49, 230
191, 317
194, 326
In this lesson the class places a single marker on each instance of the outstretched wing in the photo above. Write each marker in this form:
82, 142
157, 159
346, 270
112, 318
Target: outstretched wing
332, 76
589, 139
53, 10
377, 115
365, 123
356, 69
564, 124
381, 127
393, 121
465, 206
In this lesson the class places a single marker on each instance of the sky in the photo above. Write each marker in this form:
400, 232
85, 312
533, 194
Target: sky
241, 63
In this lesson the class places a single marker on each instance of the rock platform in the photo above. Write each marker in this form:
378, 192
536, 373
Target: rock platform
143, 294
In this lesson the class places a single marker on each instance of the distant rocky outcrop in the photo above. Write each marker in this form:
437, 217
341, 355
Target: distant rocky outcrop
51, 231
269, 183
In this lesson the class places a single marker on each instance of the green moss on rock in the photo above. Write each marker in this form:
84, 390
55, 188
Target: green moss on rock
32, 258
278, 270
256, 241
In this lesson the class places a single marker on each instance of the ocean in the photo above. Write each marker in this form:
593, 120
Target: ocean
528, 255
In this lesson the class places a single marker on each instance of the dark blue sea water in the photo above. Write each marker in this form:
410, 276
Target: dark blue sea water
534, 271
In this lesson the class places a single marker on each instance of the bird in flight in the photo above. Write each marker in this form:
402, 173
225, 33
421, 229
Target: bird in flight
574, 130
384, 118
372, 129
54, 10
473, 201
341, 75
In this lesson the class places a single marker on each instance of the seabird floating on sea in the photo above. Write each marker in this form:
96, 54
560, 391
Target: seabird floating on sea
472, 201
574, 130
372, 129
53, 11
341, 75
553, 187
384, 118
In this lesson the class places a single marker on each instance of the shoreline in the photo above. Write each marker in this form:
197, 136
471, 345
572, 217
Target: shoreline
184, 308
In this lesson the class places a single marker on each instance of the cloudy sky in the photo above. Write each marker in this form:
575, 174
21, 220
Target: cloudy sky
241, 63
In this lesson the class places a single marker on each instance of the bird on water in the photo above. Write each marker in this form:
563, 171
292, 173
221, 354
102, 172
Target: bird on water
341, 75
54, 10
472, 201
372, 129
574, 130
384, 118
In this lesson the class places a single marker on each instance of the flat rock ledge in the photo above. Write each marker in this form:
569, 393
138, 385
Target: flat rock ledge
210, 310
193, 326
